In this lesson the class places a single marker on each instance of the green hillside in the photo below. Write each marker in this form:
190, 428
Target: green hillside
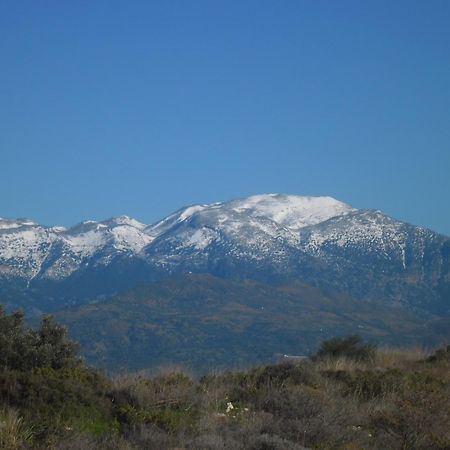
203, 323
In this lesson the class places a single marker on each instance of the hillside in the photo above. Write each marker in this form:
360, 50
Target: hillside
201, 322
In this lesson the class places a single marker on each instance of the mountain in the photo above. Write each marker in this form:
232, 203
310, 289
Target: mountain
31, 251
269, 238
203, 323
44, 268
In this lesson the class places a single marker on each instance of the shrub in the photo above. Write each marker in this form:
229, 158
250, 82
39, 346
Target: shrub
442, 354
24, 349
351, 347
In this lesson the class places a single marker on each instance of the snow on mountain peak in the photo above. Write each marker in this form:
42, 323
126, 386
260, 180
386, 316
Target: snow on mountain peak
191, 210
291, 211
125, 220
179, 216
121, 233
6, 224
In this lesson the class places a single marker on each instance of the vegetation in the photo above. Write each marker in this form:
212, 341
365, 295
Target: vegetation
202, 323
349, 396
351, 347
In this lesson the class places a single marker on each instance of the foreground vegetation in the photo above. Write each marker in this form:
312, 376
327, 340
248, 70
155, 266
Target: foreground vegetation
349, 396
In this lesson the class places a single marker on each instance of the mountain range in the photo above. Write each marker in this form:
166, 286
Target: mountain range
230, 284
269, 238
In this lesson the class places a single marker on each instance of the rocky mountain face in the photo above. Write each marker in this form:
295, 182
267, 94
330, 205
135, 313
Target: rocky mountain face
270, 238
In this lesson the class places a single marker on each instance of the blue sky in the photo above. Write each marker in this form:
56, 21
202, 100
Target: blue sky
141, 107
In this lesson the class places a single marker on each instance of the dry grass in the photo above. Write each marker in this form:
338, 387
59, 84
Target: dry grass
14, 434
171, 389
397, 399
394, 358
384, 358
342, 363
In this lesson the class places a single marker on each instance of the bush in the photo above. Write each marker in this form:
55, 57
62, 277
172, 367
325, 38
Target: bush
351, 347
443, 354
25, 349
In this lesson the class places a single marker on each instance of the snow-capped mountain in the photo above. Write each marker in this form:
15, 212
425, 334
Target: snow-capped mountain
30, 251
269, 237
255, 234
253, 226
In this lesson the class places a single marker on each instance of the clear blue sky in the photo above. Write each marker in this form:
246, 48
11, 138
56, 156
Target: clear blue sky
141, 107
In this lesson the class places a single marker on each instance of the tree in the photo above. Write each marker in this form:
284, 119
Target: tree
22, 348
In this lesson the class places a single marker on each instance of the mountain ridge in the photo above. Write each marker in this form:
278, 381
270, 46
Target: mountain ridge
268, 237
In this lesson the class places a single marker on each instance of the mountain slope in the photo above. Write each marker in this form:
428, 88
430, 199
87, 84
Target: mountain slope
376, 257
204, 323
